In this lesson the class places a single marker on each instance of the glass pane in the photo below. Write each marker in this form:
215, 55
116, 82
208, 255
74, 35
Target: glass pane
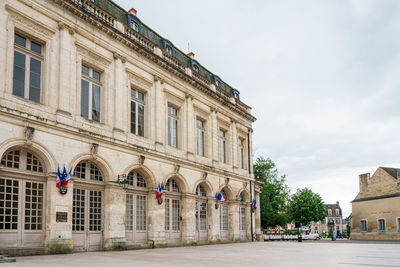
19, 40
96, 75
133, 93
133, 117
19, 74
85, 70
85, 99
96, 103
140, 96
37, 48
36, 66
141, 120
34, 94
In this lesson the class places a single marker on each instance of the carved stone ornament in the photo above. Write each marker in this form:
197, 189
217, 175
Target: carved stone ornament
141, 159
29, 131
226, 180
94, 149
176, 168
62, 25
205, 174
244, 185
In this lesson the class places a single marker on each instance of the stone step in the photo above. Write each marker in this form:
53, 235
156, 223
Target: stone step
4, 259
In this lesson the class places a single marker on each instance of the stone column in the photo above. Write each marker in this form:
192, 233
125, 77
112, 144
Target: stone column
259, 235
160, 111
214, 136
156, 220
251, 151
233, 213
120, 94
66, 69
58, 234
191, 132
189, 219
114, 217
213, 224
248, 221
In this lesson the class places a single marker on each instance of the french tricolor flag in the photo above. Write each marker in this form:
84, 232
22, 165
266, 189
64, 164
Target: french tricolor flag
160, 191
58, 177
254, 205
219, 197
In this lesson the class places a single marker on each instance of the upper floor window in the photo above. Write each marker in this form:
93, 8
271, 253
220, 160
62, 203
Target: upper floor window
337, 211
241, 153
200, 191
222, 146
22, 160
90, 93
134, 25
329, 212
168, 49
196, 68
200, 137
27, 73
218, 83
137, 112
88, 170
363, 225
136, 179
172, 186
172, 126
381, 224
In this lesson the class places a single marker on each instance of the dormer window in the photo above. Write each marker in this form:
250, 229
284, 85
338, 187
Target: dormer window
168, 49
134, 25
196, 68
218, 83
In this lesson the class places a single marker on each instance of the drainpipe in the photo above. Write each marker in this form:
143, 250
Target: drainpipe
251, 187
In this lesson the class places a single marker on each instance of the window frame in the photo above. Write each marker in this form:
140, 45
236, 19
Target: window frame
170, 130
222, 136
91, 82
382, 230
200, 137
361, 226
29, 54
241, 153
137, 102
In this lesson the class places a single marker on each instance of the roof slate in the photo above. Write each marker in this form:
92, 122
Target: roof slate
394, 172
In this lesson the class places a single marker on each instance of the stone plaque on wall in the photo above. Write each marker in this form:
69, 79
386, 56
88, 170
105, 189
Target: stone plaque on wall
61, 216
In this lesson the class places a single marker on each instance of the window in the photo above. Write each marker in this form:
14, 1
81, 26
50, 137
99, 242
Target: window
27, 73
222, 146
337, 212
329, 212
90, 94
363, 224
242, 218
87, 170
398, 224
196, 68
200, 137
137, 112
23, 160
200, 191
172, 186
172, 126
140, 212
337, 220
136, 179
168, 49
218, 83
241, 153
134, 25
381, 224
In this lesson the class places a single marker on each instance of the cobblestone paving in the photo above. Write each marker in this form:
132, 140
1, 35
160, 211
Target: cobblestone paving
309, 253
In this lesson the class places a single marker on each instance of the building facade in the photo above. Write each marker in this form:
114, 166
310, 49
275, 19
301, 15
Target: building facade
333, 220
376, 208
88, 86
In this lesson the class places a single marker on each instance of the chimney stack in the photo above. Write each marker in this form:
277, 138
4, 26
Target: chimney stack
191, 55
132, 11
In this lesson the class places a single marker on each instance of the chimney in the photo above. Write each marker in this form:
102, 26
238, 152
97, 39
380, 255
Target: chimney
337, 203
132, 11
191, 55
364, 179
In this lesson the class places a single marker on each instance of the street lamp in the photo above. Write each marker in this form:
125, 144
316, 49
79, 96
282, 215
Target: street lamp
122, 180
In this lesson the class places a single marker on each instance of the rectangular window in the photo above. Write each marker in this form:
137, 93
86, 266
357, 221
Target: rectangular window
329, 212
222, 146
381, 224
140, 213
129, 212
363, 225
200, 137
137, 112
224, 217
242, 218
90, 94
241, 153
27, 70
172, 126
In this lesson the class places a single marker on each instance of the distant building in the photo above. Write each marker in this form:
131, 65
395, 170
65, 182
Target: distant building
376, 209
333, 220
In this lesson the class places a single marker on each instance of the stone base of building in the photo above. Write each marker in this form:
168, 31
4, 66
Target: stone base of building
59, 246
394, 236
117, 243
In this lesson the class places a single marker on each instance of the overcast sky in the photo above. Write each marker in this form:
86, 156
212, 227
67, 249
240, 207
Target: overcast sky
322, 77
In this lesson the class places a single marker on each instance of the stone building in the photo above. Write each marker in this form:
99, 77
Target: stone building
376, 208
88, 86
333, 219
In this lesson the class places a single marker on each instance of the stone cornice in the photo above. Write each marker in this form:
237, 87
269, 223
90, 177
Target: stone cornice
147, 53
361, 199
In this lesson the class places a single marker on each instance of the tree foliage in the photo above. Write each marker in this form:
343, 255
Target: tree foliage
274, 193
305, 207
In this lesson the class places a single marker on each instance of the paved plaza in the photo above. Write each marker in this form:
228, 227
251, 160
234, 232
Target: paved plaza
310, 253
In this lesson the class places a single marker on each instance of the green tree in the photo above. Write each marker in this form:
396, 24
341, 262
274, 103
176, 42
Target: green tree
274, 193
305, 207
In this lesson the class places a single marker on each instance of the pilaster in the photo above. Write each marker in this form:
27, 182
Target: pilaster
213, 222
191, 130
233, 213
214, 135
160, 111
121, 92
156, 220
188, 220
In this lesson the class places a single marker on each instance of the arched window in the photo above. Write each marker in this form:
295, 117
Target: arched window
88, 170
22, 160
200, 191
172, 186
136, 179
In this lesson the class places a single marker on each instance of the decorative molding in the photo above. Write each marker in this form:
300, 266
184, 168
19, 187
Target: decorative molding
141, 159
24, 22
119, 56
94, 149
176, 168
227, 180
91, 56
137, 80
158, 78
62, 26
29, 132
205, 174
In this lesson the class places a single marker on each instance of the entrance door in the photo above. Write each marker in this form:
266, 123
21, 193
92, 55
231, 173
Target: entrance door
201, 220
224, 227
21, 213
172, 220
87, 221
136, 219
242, 222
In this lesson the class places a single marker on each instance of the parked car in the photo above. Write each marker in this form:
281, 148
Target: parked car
310, 237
